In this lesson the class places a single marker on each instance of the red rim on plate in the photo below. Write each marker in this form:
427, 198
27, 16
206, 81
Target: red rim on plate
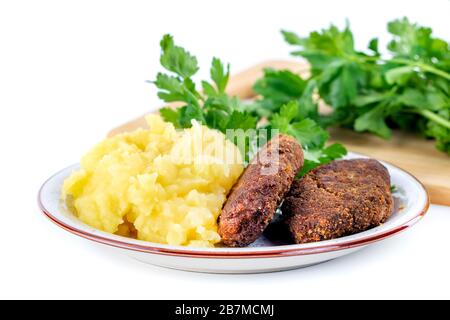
283, 251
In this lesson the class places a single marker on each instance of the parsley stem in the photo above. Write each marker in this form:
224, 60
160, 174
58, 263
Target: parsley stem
425, 67
434, 117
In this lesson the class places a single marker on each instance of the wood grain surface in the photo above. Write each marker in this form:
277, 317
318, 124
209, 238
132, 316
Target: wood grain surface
405, 150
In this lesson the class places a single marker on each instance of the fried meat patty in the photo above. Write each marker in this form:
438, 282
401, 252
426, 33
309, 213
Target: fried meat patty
338, 199
254, 199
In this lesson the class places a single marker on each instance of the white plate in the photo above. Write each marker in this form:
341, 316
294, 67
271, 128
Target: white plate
411, 204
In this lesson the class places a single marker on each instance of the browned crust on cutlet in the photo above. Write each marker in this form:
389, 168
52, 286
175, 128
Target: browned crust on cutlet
254, 199
338, 199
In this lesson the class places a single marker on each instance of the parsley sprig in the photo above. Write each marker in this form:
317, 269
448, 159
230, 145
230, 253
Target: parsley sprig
214, 108
407, 89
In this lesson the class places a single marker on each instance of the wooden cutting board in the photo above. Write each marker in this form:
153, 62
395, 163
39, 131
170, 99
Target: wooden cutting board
405, 150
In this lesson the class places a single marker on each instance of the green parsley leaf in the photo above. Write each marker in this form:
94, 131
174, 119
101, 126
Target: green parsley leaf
220, 75
171, 115
368, 92
176, 59
374, 121
415, 42
278, 87
310, 135
171, 88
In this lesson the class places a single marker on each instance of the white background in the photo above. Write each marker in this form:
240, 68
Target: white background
72, 70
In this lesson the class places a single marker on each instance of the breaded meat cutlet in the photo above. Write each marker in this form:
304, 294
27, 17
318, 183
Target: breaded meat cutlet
338, 199
254, 199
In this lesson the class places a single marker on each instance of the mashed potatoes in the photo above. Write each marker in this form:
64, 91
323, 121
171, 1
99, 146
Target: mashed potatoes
159, 185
